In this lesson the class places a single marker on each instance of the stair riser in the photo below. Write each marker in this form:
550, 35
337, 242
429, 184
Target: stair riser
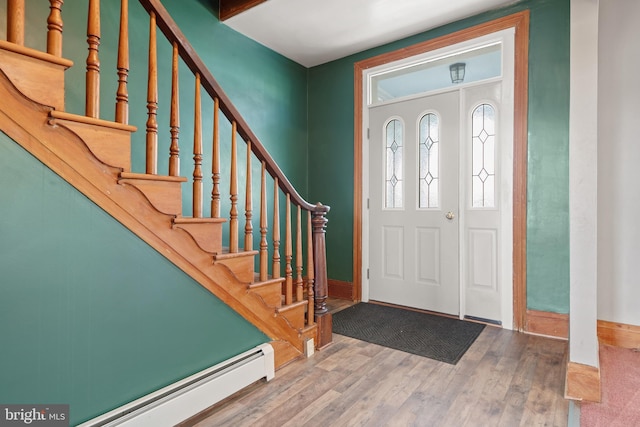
271, 294
242, 267
295, 315
166, 197
38, 80
207, 236
110, 146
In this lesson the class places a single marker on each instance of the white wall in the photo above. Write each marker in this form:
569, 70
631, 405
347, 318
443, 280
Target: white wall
583, 181
619, 161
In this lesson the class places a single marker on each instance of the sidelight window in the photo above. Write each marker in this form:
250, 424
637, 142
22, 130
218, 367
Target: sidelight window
483, 140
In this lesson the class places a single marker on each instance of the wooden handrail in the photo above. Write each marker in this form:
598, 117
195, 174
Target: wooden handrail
174, 35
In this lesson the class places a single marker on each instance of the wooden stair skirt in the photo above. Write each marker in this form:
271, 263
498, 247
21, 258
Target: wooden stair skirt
94, 156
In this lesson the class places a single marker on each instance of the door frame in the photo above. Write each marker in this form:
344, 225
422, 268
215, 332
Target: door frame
520, 23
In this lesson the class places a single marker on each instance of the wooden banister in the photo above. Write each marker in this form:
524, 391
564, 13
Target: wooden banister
174, 120
173, 33
215, 164
275, 267
122, 94
233, 190
299, 281
92, 102
319, 222
15, 21
197, 152
309, 291
310, 271
54, 26
288, 254
248, 204
317, 291
152, 99
264, 245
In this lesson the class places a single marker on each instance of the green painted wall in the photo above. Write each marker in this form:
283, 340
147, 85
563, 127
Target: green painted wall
269, 90
331, 136
97, 317
90, 315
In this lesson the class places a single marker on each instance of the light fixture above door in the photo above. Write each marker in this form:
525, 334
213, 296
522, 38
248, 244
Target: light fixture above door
457, 72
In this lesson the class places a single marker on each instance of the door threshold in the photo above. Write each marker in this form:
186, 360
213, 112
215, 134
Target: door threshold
483, 320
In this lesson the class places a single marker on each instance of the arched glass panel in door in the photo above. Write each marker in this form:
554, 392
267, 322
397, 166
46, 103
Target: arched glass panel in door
429, 148
394, 173
483, 140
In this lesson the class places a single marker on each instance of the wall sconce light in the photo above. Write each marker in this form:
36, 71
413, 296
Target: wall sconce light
457, 72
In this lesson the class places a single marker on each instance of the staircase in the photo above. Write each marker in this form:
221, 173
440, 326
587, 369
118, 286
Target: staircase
284, 297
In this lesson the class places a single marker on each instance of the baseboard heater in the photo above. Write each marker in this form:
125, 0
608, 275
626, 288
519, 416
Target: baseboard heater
184, 399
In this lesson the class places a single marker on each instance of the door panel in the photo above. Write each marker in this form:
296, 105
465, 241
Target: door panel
428, 244
393, 247
414, 258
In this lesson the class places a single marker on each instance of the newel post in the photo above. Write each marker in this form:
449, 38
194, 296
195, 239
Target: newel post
321, 288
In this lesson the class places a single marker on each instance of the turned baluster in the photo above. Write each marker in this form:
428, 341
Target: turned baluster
197, 152
174, 119
215, 166
233, 216
248, 227
299, 281
15, 21
264, 246
152, 100
275, 266
310, 272
54, 27
122, 94
92, 103
288, 255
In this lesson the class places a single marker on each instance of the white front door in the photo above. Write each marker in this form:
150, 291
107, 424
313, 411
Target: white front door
413, 208
439, 183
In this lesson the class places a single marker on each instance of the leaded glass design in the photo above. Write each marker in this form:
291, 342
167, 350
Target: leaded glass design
394, 174
483, 186
429, 139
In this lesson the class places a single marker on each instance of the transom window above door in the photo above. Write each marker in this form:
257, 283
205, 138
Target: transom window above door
435, 73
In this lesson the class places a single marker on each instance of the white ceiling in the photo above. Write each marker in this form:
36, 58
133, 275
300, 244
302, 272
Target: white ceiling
312, 32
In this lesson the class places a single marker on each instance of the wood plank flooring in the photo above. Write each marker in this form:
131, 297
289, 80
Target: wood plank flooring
505, 379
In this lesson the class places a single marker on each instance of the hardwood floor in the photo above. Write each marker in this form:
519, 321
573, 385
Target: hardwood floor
505, 379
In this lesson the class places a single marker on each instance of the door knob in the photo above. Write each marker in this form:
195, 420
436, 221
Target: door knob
450, 215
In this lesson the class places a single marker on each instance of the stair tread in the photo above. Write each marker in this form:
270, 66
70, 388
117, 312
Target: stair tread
270, 281
152, 177
63, 115
292, 306
191, 220
229, 255
37, 54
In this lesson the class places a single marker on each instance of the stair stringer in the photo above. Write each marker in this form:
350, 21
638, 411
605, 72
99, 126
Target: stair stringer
27, 123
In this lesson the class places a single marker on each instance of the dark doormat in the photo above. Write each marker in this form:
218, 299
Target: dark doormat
435, 337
